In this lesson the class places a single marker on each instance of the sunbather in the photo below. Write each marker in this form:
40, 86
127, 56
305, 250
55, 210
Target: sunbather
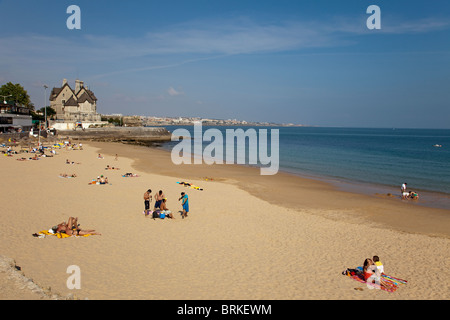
72, 228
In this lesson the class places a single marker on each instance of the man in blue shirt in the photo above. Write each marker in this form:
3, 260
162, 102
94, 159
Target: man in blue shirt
184, 204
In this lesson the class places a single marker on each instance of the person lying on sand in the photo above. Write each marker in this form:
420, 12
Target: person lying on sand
65, 175
71, 162
130, 175
72, 228
111, 168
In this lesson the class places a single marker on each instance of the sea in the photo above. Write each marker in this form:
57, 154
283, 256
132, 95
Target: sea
363, 160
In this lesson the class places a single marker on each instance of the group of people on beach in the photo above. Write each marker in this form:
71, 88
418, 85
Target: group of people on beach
39, 152
408, 194
71, 227
101, 180
160, 209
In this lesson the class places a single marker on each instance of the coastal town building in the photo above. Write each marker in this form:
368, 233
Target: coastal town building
72, 105
75, 108
14, 118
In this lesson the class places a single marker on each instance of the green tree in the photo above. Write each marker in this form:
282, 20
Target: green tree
50, 111
116, 121
40, 117
18, 94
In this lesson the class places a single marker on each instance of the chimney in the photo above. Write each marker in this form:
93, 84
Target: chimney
77, 86
64, 82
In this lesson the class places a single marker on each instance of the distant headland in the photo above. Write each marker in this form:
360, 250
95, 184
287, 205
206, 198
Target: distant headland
149, 121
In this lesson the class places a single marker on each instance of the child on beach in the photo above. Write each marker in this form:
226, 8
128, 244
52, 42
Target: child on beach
413, 195
378, 263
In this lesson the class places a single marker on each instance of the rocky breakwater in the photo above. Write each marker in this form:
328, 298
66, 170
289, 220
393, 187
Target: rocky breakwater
130, 135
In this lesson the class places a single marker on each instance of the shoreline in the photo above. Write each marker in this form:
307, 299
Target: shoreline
434, 199
376, 209
437, 194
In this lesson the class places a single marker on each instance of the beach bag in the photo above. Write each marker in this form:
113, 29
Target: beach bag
351, 272
155, 214
162, 215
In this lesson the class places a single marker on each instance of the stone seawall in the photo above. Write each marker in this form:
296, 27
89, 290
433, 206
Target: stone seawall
131, 135
16, 286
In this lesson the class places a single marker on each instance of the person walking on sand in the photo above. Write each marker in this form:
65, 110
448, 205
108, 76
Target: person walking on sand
184, 204
147, 200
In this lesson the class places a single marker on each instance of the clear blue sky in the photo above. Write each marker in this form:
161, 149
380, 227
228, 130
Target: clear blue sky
306, 62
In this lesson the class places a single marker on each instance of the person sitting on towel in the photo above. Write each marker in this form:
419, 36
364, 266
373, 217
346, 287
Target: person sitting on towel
165, 210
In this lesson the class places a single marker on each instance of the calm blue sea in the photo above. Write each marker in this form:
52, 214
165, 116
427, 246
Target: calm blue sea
365, 159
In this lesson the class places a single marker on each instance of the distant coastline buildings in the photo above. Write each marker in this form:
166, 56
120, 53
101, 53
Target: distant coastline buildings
148, 121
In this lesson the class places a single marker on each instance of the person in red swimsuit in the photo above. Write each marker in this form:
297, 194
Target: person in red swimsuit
368, 268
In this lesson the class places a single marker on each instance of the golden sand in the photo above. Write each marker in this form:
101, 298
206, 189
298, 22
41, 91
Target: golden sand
246, 237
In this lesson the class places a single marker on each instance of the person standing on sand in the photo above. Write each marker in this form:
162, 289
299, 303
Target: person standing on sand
147, 200
184, 204
158, 199
403, 191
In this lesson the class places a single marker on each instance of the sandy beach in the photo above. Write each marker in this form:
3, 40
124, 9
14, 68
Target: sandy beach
247, 236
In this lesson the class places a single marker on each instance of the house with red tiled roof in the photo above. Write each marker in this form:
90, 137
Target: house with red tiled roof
74, 105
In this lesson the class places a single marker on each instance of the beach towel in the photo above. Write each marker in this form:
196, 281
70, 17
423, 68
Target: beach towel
394, 280
390, 284
187, 184
44, 233
97, 182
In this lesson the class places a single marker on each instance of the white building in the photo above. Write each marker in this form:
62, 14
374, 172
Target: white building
14, 118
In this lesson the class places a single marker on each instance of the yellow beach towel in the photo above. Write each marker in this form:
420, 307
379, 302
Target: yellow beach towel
61, 235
